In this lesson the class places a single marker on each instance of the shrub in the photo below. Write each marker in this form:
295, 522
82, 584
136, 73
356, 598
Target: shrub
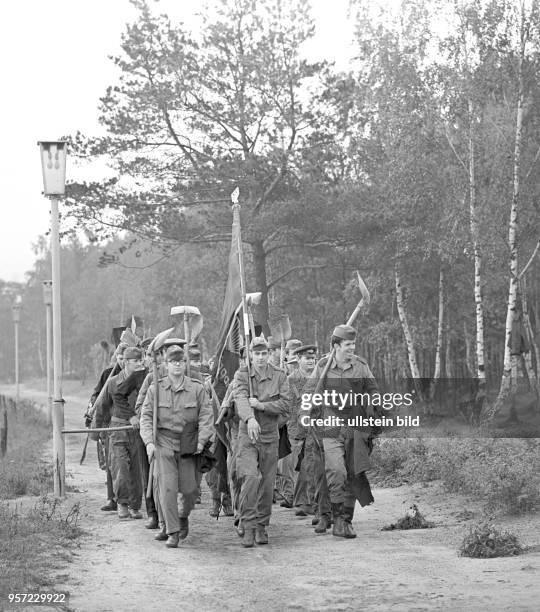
485, 541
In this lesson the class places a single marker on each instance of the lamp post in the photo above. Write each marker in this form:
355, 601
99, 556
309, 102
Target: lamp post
47, 300
16, 311
53, 164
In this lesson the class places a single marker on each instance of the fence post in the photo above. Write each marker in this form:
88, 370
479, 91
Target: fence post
3, 430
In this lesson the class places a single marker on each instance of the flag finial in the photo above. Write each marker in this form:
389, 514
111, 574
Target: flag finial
235, 195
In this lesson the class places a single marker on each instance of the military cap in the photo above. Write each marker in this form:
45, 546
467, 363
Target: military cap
345, 332
175, 352
133, 352
174, 342
194, 353
272, 344
258, 343
306, 349
293, 344
121, 348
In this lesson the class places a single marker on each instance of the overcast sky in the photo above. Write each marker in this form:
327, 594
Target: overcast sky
55, 67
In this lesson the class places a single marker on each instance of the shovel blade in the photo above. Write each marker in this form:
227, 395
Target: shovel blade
158, 341
363, 289
280, 328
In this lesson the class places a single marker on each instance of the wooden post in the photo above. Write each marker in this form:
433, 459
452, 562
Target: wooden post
3, 432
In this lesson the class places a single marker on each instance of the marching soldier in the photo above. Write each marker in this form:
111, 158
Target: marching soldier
260, 403
346, 447
184, 426
102, 420
291, 359
121, 396
274, 352
155, 516
305, 356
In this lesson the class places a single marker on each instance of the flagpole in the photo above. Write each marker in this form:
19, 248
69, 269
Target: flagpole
236, 220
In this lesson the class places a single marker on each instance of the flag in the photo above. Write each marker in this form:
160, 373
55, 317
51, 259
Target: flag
228, 345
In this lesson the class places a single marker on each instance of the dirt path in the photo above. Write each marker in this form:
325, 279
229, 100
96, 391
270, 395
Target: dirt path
120, 567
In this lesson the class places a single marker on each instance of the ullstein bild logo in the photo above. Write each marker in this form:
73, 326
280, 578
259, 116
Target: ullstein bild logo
359, 421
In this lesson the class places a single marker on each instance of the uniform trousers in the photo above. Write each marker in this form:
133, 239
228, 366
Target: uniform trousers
316, 476
124, 449
234, 482
151, 509
339, 469
256, 465
174, 474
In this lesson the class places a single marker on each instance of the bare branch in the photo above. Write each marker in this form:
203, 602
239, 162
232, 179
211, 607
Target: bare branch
293, 269
454, 149
530, 260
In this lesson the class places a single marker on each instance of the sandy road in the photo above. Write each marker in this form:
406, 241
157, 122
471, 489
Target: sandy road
120, 567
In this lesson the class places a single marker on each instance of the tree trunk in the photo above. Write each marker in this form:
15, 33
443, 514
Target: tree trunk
532, 374
261, 283
478, 300
504, 389
469, 361
438, 350
413, 364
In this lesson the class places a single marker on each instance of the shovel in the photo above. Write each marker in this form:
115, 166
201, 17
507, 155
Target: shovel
280, 328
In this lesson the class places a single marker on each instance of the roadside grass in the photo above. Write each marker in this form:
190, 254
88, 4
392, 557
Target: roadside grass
22, 470
34, 542
36, 534
503, 473
485, 541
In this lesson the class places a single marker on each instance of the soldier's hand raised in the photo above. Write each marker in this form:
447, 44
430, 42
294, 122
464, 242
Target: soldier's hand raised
253, 429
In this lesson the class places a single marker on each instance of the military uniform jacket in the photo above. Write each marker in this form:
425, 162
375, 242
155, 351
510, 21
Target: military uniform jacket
351, 378
184, 414
297, 382
272, 389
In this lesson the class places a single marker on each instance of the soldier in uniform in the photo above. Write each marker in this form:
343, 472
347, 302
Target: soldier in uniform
305, 355
102, 438
260, 403
346, 447
291, 359
184, 426
274, 352
120, 397
155, 516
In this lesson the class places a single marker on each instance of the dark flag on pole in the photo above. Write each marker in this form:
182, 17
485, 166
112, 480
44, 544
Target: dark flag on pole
228, 346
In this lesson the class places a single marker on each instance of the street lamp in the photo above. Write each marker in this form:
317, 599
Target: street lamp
47, 300
53, 164
16, 311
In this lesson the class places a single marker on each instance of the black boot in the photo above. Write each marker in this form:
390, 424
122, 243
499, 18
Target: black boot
161, 535
339, 522
216, 507
172, 540
184, 528
249, 538
322, 524
261, 536
348, 513
152, 522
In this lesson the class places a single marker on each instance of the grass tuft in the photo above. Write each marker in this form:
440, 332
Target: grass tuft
485, 541
413, 519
